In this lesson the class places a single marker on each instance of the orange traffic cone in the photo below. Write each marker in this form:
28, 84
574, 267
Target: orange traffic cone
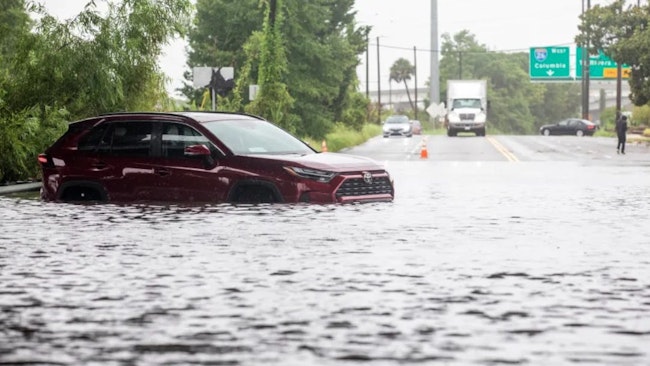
323, 146
423, 152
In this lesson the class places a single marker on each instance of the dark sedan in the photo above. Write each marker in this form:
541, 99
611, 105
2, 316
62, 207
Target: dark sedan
570, 126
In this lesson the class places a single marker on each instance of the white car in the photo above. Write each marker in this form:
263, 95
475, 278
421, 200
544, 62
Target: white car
397, 125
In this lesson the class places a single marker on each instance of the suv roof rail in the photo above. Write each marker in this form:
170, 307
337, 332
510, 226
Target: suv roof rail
177, 113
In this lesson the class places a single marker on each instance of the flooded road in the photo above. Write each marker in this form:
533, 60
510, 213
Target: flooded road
474, 263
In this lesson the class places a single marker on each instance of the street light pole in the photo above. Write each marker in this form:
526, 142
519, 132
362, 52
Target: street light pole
434, 78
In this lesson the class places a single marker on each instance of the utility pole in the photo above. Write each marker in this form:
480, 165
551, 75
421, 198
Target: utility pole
619, 81
378, 86
434, 78
367, 67
390, 94
415, 71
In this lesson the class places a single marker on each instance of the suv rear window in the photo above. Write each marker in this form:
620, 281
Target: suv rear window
119, 139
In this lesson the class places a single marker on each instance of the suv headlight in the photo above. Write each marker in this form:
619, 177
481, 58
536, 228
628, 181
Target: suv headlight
313, 174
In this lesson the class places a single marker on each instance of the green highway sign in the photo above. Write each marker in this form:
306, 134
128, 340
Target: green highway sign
550, 63
600, 66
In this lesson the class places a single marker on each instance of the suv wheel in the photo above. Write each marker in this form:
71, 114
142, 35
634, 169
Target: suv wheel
81, 194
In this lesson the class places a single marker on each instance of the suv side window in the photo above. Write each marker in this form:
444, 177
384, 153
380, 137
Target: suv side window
176, 137
91, 140
127, 139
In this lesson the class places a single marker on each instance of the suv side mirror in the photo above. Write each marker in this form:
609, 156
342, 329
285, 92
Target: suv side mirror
197, 150
200, 151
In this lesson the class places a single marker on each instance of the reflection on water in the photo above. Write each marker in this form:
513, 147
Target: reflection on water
473, 264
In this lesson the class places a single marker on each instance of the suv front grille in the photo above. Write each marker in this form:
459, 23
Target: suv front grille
357, 187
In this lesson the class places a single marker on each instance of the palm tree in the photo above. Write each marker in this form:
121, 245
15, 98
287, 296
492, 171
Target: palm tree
401, 71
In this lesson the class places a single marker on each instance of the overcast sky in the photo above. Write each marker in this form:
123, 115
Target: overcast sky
501, 25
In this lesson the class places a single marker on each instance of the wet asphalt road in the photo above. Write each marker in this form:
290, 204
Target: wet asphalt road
524, 250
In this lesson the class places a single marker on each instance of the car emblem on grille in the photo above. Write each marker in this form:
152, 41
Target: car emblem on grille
367, 177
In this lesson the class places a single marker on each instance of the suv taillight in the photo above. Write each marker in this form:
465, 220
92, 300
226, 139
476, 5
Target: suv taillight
45, 161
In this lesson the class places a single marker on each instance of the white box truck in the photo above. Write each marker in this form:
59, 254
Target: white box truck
467, 107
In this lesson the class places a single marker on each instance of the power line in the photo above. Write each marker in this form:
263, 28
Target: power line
425, 50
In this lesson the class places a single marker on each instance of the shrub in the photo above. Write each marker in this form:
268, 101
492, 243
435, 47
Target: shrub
343, 137
23, 135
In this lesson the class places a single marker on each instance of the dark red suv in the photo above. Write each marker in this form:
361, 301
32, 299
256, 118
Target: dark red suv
201, 157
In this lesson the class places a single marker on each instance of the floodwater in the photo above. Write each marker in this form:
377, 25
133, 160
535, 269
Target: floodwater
473, 264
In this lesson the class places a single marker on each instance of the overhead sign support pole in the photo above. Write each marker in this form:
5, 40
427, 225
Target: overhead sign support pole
586, 64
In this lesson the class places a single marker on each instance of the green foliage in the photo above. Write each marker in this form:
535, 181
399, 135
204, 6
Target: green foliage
14, 22
84, 66
342, 137
273, 101
622, 33
355, 112
93, 64
401, 71
24, 135
641, 116
608, 119
321, 45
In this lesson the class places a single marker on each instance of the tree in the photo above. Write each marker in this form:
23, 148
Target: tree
273, 101
14, 22
322, 45
91, 64
24, 132
401, 71
622, 34
218, 34
463, 56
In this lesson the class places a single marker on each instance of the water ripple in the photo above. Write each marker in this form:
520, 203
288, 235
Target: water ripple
460, 270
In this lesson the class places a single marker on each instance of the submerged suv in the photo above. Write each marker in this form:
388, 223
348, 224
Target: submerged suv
201, 157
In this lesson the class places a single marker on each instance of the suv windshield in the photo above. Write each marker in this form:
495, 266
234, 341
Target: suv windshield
256, 137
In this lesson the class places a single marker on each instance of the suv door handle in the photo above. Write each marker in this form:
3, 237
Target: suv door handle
99, 165
163, 172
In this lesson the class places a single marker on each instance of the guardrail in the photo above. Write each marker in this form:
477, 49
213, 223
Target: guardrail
19, 187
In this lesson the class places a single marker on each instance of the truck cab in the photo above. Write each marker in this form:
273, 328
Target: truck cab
466, 107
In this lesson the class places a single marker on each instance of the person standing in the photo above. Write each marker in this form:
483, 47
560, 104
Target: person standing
621, 132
